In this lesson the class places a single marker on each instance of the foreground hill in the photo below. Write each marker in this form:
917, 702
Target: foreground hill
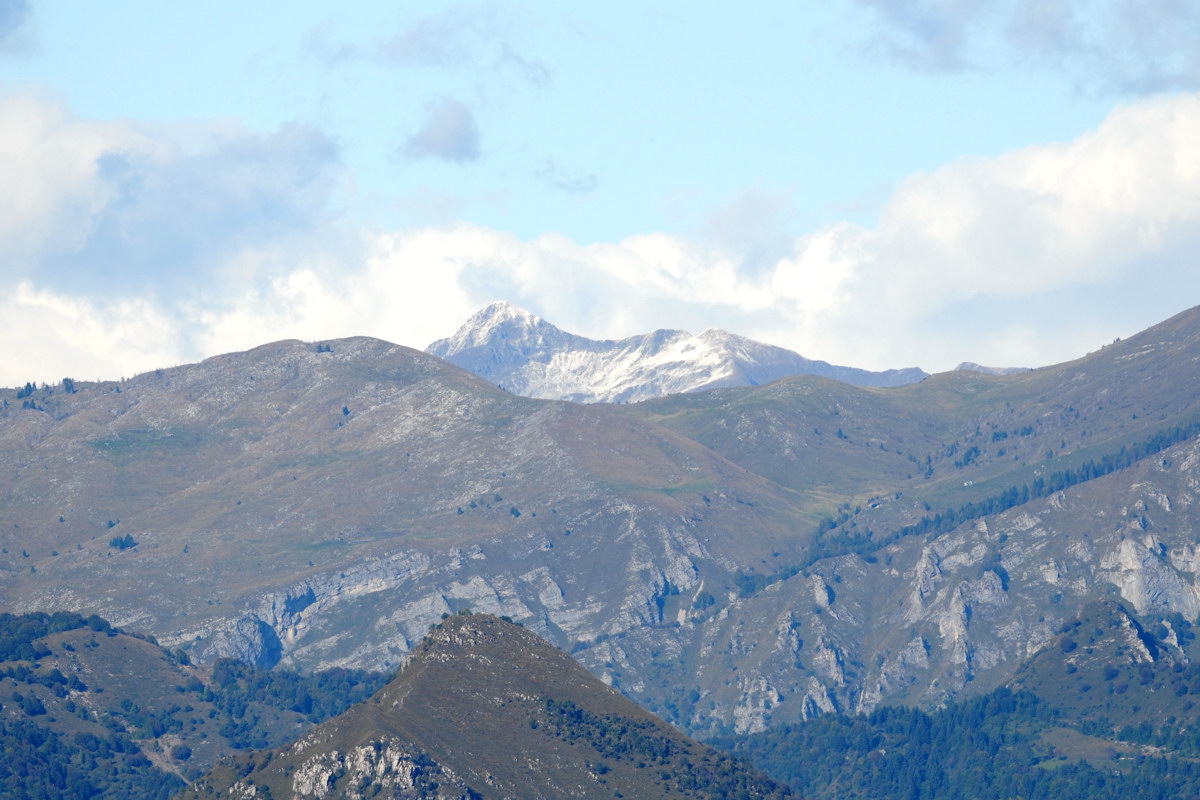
731, 559
1106, 710
529, 356
487, 710
88, 711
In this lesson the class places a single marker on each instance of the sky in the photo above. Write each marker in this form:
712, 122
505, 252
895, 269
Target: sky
874, 183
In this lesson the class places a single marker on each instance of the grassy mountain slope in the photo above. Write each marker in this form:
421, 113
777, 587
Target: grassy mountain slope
928, 438
315, 478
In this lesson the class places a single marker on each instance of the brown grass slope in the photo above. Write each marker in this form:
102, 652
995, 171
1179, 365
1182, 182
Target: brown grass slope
953, 438
259, 473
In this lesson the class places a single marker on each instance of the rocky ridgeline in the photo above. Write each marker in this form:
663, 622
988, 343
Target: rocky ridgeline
528, 356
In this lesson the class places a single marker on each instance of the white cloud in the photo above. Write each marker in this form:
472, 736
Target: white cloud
117, 207
50, 336
1044, 217
51, 190
1035, 256
407, 290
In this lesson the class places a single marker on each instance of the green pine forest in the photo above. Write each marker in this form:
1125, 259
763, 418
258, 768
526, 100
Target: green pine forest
1003, 746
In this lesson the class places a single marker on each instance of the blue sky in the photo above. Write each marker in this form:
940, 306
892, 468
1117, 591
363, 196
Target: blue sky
880, 183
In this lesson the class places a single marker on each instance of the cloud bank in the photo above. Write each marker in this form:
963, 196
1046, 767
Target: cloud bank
122, 253
111, 208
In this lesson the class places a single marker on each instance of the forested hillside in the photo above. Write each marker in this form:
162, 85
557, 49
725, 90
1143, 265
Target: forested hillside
88, 711
1109, 711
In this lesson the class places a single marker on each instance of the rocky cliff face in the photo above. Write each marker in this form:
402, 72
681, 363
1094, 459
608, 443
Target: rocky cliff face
919, 621
528, 356
388, 765
926, 620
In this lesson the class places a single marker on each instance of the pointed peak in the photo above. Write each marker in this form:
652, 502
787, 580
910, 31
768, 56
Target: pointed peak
502, 311
500, 318
497, 327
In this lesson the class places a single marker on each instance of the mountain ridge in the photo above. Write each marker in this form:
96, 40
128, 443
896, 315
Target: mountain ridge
529, 356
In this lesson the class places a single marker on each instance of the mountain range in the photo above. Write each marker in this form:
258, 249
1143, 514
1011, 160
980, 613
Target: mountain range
731, 559
485, 708
528, 356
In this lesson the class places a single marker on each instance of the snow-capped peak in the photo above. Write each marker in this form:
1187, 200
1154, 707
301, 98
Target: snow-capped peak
527, 355
500, 319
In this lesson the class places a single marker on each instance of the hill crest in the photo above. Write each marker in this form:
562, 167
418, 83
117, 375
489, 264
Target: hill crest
488, 710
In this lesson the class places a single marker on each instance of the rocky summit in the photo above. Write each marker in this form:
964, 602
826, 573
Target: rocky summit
486, 710
730, 559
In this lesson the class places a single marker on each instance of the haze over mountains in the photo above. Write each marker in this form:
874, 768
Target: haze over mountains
730, 559
528, 356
